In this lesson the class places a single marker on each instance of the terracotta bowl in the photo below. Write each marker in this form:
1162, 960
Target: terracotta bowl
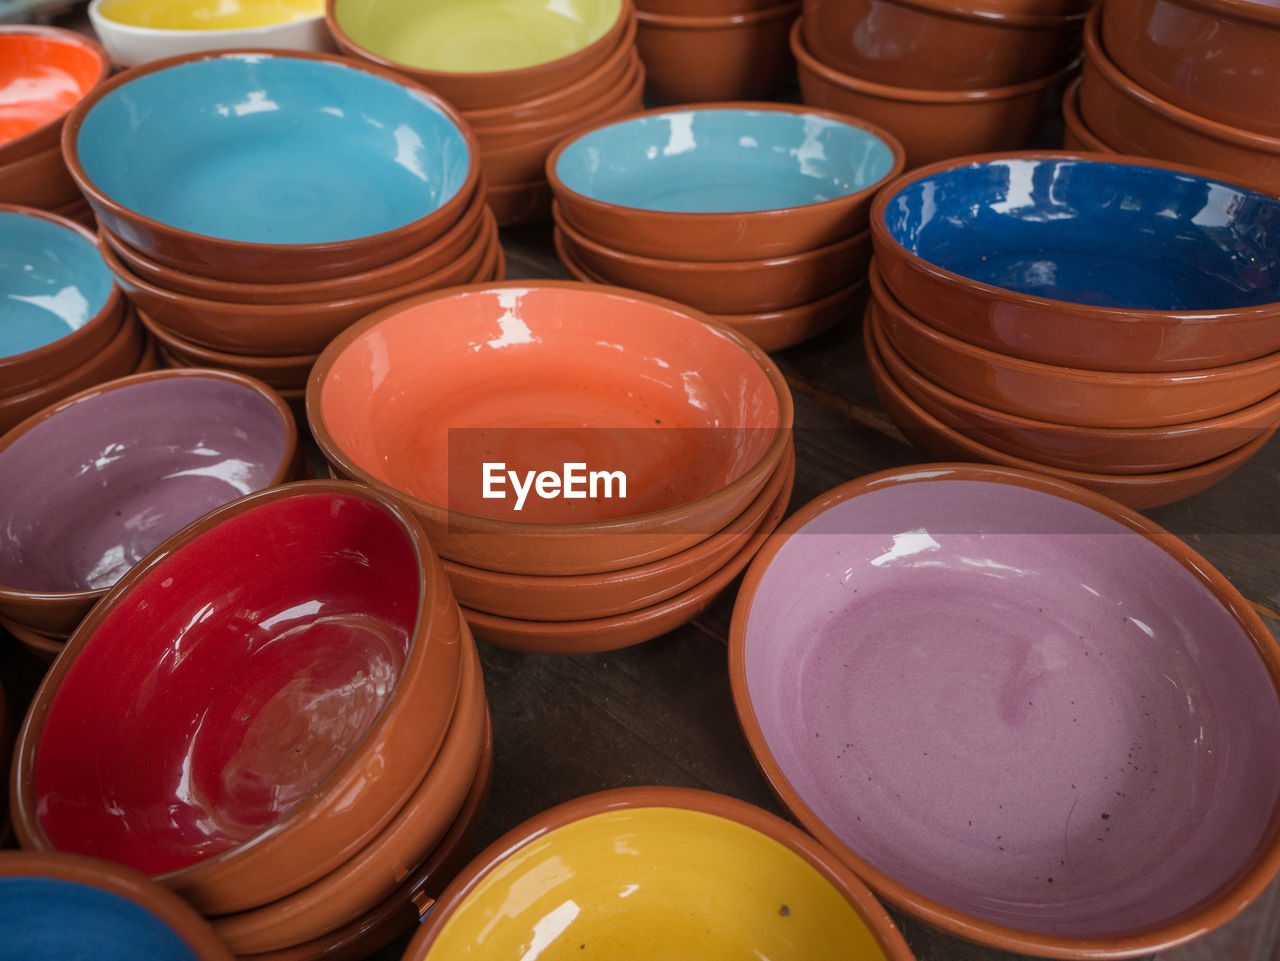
744, 184
1036, 275
702, 872
703, 8
932, 124
44, 646
726, 287
64, 906
1070, 395
61, 304
313, 190
310, 651
1076, 136
698, 59
281, 373
1217, 59
478, 62
1136, 121
39, 180
47, 70
525, 202
1023, 718
613, 379
95, 482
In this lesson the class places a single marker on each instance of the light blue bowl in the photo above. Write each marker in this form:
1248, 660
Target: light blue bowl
52, 282
269, 149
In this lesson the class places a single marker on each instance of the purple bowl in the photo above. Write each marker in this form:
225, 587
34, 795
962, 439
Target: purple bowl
1017, 709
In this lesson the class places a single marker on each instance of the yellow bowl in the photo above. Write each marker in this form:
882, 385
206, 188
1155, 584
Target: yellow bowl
208, 14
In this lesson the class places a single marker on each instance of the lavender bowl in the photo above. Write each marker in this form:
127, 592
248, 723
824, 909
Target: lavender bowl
1018, 710
93, 483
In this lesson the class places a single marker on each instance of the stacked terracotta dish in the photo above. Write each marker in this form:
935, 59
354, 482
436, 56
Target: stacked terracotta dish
248, 238
946, 77
594, 465
1115, 324
755, 213
698, 50
44, 71
525, 75
288, 684
1191, 81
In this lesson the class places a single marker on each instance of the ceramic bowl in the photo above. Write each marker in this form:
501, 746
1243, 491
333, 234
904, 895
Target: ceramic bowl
282, 373
38, 180
613, 379
64, 906
940, 44
43, 646
932, 124
1076, 135
726, 287
310, 653
525, 202
61, 304
326, 167
1136, 121
698, 59
478, 59
1039, 728
46, 71
139, 31
702, 874
722, 181
1035, 274
95, 482
1194, 54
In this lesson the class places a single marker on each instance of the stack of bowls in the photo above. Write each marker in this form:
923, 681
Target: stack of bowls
288, 681
1192, 81
94, 483
1019, 711
44, 71
253, 204
946, 77
755, 213
715, 49
525, 74
678, 430
64, 325
1112, 323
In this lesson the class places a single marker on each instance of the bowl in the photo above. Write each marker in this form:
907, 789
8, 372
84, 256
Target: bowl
64, 906
95, 482
44, 646
46, 70
327, 166
38, 180
704, 874
310, 651
1076, 136
619, 381
61, 304
1027, 716
1035, 275
726, 287
281, 373
1216, 59
722, 181
697, 59
932, 124
1135, 120
139, 31
941, 44
532, 48
525, 202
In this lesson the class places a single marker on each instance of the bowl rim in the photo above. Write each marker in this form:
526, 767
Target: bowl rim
1074, 124
260, 32
985, 12
168, 341
1240, 892
1250, 14
885, 243
446, 211
650, 521
850, 887
724, 21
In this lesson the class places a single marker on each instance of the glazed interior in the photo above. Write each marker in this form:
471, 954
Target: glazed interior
41, 78
208, 14
94, 488
536, 377
1013, 705
1110, 235
644, 883
723, 160
272, 150
239, 672
475, 36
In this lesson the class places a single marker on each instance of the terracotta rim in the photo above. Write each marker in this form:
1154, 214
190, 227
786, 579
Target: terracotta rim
1076, 126
974, 13
1251, 14
170, 342
1176, 931
728, 21
19, 146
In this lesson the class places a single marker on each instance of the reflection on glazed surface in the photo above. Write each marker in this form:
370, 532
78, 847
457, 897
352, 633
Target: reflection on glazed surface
41, 78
